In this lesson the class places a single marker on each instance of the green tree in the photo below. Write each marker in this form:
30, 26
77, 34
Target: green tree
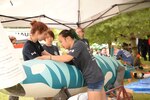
125, 27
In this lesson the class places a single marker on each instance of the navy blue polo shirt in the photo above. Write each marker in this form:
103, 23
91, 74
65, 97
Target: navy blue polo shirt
85, 41
86, 62
32, 50
51, 49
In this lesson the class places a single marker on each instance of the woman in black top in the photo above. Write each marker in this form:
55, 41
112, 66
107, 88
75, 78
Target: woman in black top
32, 48
79, 54
49, 47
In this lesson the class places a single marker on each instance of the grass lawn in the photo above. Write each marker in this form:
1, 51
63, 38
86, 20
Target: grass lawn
141, 96
135, 95
5, 97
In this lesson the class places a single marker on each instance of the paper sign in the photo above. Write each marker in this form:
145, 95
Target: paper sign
11, 69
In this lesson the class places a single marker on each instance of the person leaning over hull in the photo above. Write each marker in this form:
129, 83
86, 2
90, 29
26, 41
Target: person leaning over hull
32, 48
79, 54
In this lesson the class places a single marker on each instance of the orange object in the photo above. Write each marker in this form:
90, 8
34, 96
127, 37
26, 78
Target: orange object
125, 63
138, 56
148, 41
18, 45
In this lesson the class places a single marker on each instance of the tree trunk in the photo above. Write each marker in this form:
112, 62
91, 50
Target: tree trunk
134, 50
110, 48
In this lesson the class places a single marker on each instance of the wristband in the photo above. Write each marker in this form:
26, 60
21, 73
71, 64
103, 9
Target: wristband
50, 57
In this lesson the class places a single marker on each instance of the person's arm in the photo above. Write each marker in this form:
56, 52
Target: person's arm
44, 57
45, 53
29, 52
73, 53
63, 58
57, 51
119, 55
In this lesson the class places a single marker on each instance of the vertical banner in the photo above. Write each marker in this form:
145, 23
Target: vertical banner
11, 69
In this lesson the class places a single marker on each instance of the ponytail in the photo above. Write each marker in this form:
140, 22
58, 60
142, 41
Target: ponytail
71, 33
38, 26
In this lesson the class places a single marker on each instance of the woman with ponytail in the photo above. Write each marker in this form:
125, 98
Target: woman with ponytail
79, 54
32, 48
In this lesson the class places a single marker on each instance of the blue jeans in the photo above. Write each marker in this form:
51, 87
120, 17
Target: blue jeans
98, 86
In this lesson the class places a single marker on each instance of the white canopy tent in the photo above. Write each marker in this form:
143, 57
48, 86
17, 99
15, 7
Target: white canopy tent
64, 13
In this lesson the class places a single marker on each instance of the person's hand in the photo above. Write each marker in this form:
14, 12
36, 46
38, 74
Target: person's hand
45, 57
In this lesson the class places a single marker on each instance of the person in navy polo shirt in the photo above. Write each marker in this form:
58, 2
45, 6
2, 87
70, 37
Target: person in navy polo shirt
32, 48
84, 61
49, 47
81, 33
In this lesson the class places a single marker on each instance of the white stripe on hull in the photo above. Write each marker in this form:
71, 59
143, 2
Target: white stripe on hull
42, 90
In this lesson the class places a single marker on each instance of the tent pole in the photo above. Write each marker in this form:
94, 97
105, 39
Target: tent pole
99, 16
57, 21
17, 19
133, 3
129, 7
106, 15
11, 3
62, 23
136, 3
25, 19
79, 14
14, 20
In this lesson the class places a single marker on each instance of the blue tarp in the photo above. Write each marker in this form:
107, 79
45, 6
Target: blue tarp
141, 86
